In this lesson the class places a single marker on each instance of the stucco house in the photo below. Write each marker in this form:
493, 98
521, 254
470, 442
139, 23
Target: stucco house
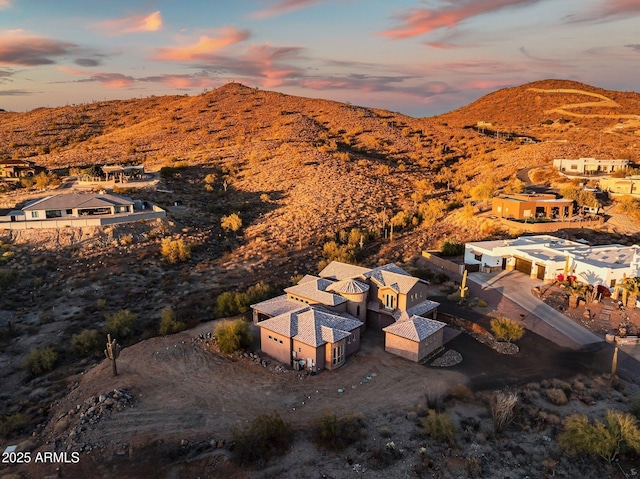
13, 170
524, 206
375, 298
545, 257
585, 166
415, 338
76, 205
621, 186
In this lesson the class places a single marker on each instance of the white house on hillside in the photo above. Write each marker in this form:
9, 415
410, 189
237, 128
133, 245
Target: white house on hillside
581, 166
545, 257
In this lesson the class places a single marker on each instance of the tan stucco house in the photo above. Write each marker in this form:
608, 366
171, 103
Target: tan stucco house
523, 206
13, 170
341, 294
76, 205
415, 338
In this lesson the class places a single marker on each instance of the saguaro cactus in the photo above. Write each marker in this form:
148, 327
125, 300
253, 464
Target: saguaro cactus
112, 352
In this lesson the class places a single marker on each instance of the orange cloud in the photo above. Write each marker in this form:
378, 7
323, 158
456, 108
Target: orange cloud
284, 6
205, 46
133, 24
418, 21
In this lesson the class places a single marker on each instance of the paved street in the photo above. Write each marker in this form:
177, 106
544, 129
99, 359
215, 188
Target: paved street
517, 287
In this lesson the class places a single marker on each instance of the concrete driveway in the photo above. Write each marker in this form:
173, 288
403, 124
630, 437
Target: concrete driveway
517, 286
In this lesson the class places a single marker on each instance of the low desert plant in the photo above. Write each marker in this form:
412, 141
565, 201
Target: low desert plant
232, 222
169, 322
7, 277
267, 436
336, 434
86, 343
120, 324
557, 396
11, 424
450, 248
460, 392
40, 361
231, 303
233, 336
505, 329
607, 439
502, 406
175, 251
439, 426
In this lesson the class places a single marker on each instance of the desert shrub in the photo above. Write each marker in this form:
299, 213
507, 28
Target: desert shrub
175, 251
169, 322
232, 222
333, 251
580, 196
266, 437
434, 396
482, 303
557, 396
450, 248
231, 303
12, 424
336, 434
383, 457
232, 336
460, 392
502, 405
439, 426
171, 171
86, 343
440, 278
505, 329
7, 277
635, 407
40, 361
385, 432
101, 303
606, 439
120, 324
483, 191
259, 292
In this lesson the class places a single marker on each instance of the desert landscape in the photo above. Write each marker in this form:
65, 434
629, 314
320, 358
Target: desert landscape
259, 189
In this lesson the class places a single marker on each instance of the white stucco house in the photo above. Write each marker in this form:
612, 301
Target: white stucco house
581, 166
545, 257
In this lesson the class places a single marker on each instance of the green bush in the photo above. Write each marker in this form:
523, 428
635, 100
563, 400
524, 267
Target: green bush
259, 292
439, 426
86, 343
175, 251
169, 323
450, 248
120, 324
505, 329
266, 437
12, 424
606, 439
233, 336
231, 303
40, 361
336, 434
7, 278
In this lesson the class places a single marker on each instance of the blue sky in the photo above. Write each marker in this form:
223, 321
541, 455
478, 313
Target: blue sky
419, 57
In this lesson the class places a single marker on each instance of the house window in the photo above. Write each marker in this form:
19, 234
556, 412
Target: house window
299, 350
337, 355
34, 214
477, 257
280, 341
390, 301
358, 310
612, 283
53, 213
69, 211
270, 337
499, 209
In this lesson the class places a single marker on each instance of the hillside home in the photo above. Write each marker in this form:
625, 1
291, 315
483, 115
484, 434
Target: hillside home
13, 170
524, 206
586, 166
76, 205
359, 297
545, 257
621, 186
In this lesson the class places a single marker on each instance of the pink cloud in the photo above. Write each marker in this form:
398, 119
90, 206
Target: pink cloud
17, 49
110, 80
284, 6
610, 9
5, 4
205, 46
133, 24
418, 21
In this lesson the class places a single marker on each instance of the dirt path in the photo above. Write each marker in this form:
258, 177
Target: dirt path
605, 103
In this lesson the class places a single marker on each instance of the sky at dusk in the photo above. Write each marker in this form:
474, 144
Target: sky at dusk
417, 57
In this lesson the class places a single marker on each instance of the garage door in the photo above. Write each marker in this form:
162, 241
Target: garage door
523, 265
541, 271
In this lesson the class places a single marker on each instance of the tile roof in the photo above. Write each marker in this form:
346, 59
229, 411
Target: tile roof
339, 271
349, 286
314, 290
419, 309
77, 200
278, 305
415, 328
313, 326
399, 282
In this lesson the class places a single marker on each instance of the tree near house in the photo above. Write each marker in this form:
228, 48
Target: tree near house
232, 336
